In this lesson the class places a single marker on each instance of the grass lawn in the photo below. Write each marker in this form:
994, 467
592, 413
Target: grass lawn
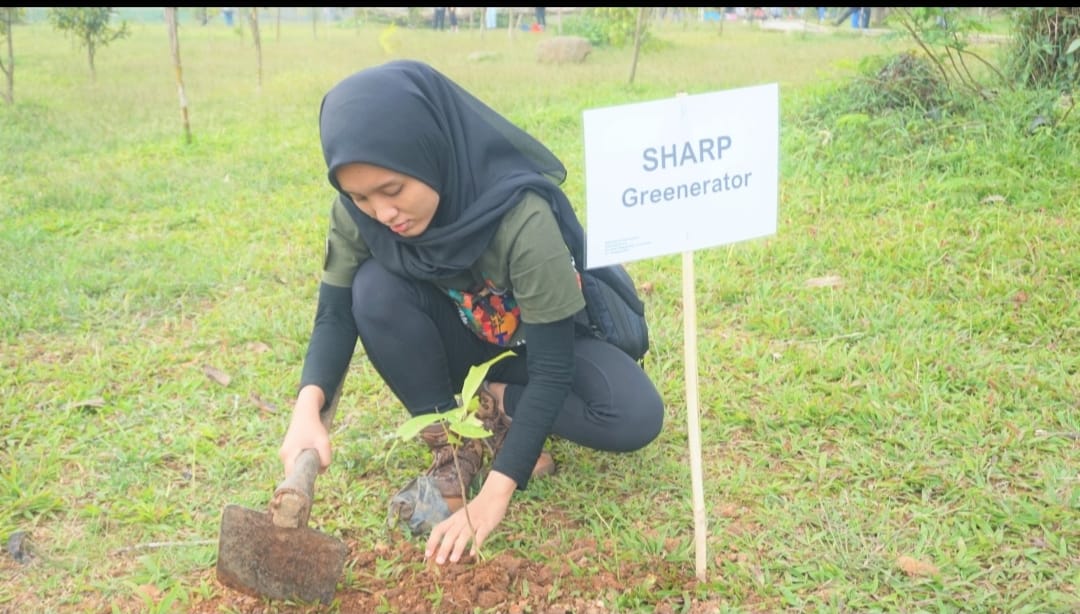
889, 385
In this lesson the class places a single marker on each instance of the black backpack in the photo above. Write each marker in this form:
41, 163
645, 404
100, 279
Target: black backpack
613, 311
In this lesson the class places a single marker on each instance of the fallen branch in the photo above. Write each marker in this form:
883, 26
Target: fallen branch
156, 545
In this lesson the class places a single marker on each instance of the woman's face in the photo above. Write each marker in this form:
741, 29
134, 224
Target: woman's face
402, 203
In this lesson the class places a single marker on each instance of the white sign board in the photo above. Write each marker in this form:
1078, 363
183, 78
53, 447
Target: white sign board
681, 174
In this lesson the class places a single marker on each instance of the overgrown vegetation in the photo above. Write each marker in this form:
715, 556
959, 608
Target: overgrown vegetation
945, 70
906, 80
944, 36
1044, 51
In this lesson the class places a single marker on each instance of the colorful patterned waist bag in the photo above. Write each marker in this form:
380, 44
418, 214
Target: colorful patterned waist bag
492, 315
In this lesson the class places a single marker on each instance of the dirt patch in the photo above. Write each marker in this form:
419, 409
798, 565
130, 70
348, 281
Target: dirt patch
396, 578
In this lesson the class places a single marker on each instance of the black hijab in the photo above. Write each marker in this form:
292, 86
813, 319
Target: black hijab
407, 117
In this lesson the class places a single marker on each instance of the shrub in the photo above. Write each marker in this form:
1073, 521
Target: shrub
903, 81
1045, 48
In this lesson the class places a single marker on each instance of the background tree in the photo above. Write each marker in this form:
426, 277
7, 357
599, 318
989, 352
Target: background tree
89, 26
642, 15
611, 26
9, 15
253, 17
174, 47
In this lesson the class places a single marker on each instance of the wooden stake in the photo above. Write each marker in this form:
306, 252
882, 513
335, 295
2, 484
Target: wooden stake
174, 47
692, 423
253, 17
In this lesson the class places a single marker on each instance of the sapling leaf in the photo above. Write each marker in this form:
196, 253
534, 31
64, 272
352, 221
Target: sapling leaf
412, 427
477, 374
470, 428
454, 415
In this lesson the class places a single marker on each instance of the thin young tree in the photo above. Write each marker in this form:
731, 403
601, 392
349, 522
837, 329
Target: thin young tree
8, 15
639, 31
90, 27
174, 48
253, 17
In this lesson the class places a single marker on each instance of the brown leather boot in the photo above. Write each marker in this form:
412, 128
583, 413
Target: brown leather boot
452, 476
430, 498
497, 421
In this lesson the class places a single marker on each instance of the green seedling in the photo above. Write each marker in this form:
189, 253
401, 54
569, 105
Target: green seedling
458, 424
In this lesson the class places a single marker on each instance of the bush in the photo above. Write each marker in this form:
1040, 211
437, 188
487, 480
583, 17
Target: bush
1045, 49
900, 82
608, 27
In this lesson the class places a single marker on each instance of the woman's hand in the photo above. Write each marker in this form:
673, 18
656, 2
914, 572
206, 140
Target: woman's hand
450, 537
306, 430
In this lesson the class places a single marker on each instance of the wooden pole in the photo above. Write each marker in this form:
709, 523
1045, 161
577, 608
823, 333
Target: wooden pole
637, 41
693, 424
253, 16
7, 17
174, 47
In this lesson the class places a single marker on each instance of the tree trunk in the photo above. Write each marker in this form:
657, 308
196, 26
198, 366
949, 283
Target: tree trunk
7, 15
878, 15
174, 47
253, 17
90, 59
637, 41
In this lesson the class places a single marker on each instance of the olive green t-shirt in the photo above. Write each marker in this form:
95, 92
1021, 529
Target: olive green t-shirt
527, 261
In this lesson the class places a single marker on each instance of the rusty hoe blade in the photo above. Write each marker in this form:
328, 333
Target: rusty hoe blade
260, 559
275, 554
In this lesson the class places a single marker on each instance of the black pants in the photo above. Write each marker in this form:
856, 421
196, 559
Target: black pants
414, 337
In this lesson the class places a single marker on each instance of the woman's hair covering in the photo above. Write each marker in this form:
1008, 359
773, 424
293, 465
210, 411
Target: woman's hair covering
408, 117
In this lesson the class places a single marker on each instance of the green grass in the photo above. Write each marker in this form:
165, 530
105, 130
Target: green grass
923, 405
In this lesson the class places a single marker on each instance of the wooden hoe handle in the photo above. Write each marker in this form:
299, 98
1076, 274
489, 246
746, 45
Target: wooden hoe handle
290, 506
